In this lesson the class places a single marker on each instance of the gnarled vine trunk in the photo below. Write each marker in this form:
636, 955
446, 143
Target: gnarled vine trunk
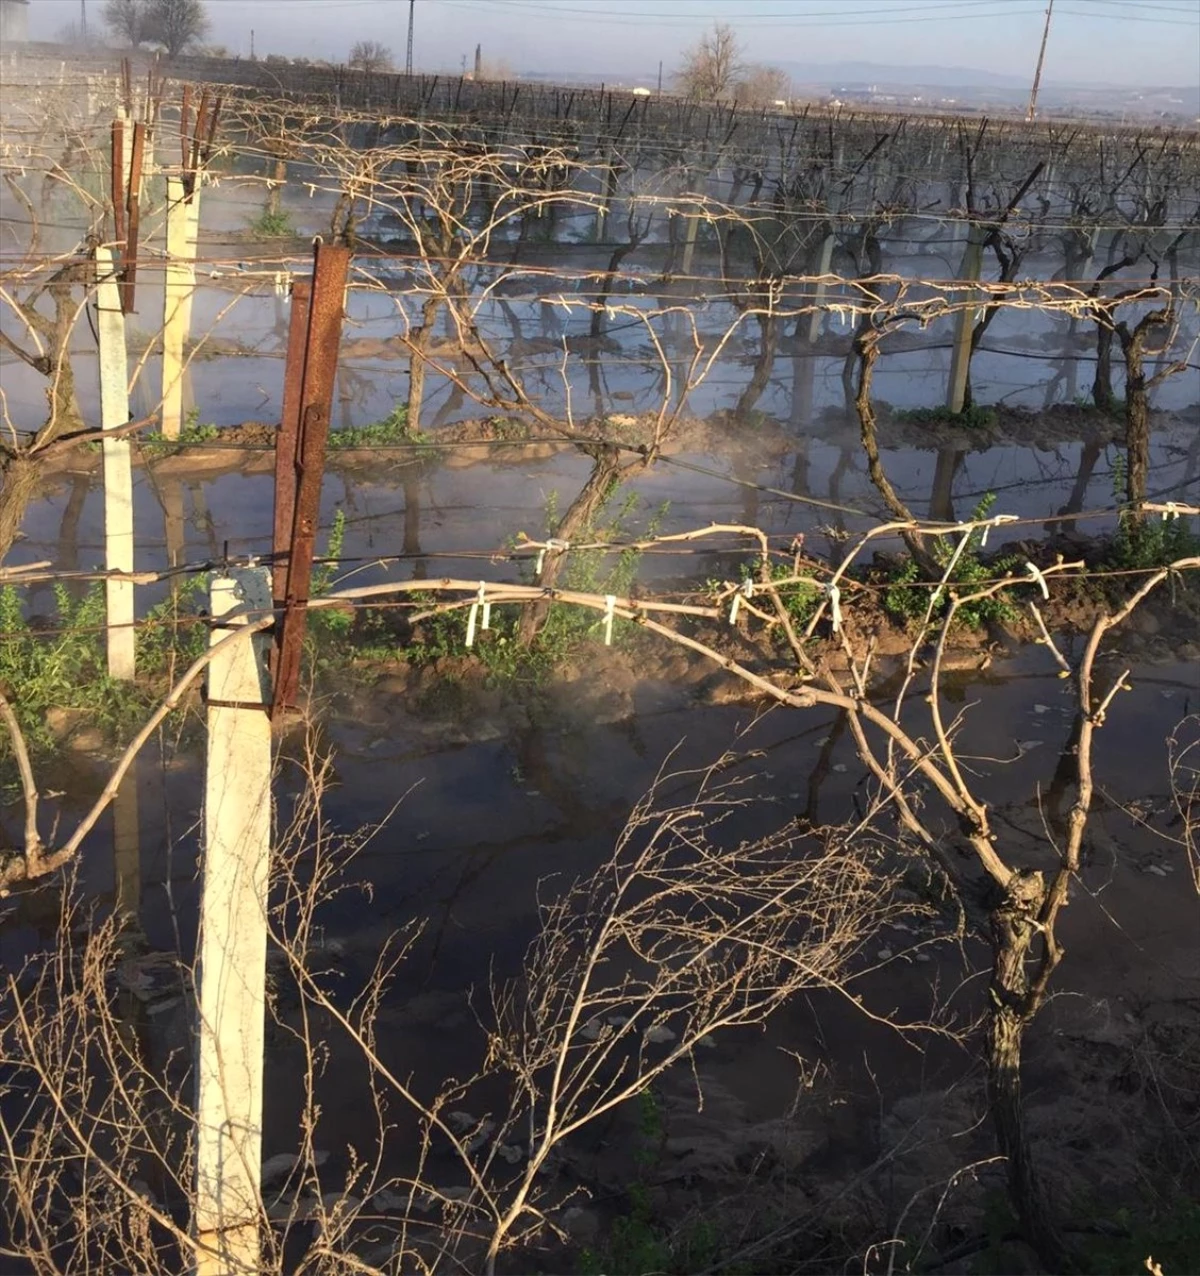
1137, 404
1014, 926
606, 472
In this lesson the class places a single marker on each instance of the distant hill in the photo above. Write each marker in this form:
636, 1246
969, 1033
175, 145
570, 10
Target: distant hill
933, 77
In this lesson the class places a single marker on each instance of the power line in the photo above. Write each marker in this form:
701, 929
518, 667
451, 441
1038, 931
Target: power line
875, 17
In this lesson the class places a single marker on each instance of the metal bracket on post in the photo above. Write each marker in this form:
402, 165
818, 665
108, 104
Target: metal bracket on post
313, 342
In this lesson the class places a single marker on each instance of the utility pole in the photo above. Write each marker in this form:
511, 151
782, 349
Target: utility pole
1037, 75
660, 77
83, 19
412, 4
251, 44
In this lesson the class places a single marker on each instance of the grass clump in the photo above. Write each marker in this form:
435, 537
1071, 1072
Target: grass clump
388, 432
976, 417
272, 224
1150, 542
55, 667
507, 661
905, 598
193, 433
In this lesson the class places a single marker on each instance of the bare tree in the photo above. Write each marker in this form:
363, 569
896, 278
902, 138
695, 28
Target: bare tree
176, 23
711, 68
370, 56
128, 20
762, 86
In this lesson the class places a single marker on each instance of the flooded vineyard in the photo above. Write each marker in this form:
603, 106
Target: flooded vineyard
593, 684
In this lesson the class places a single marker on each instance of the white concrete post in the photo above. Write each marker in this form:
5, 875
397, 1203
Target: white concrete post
177, 293
960, 363
193, 238
231, 974
118, 470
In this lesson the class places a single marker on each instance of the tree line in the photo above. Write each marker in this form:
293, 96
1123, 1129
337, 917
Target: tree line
175, 24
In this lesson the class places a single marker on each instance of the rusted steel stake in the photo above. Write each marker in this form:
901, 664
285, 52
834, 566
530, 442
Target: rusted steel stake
289, 436
118, 183
134, 207
185, 132
310, 412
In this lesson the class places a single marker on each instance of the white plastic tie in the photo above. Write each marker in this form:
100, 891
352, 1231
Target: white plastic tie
610, 601
558, 547
472, 619
995, 522
834, 594
1170, 510
745, 590
1035, 574
485, 607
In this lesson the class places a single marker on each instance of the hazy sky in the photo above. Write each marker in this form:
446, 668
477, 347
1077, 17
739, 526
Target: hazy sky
1143, 42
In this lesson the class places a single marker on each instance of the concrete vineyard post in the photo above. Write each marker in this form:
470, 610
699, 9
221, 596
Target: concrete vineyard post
231, 978
177, 294
118, 471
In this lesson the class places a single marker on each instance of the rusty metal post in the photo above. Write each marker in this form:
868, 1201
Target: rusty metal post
118, 182
309, 426
289, 434
134, 217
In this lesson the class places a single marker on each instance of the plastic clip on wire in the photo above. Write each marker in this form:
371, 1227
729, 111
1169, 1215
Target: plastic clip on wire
834, 594
473, 616
1035, 574
559, 547
745, 591
995, 522
610, 601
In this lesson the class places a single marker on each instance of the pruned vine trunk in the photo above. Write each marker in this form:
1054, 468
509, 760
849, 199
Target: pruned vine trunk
1137, 404
1014, 926
866, 346
596, 330
418, 344
606, 472
18, 483
1102, 391
768, 325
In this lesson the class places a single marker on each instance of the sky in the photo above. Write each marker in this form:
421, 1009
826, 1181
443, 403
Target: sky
1119, 42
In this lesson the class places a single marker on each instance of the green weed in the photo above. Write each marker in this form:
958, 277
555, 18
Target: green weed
272, 225
192, 432
57, 667
507, 661
976, 417
800, 599
1144, 543
1150, 542
327, 624
389, 432
906, 599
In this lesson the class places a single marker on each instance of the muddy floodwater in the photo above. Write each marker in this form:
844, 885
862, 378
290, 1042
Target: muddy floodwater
470, 789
